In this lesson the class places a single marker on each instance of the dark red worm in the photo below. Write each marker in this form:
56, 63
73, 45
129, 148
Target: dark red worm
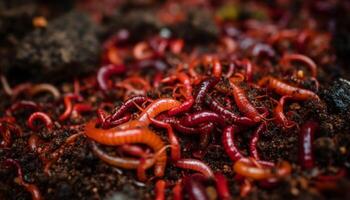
124, 108
176, 123
306, 138
174, 141
105, 72
31, 188
228, 142
227, 114
222, 187
280, 117
22, 105
185, 106
195, 165
204, 88
202, 117
42, 117
6, 131
254, 141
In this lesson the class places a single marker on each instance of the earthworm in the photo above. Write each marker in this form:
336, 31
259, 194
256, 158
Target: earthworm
134, 150
229, 145
222, 187
142, 51
204, 88
196, 165
105, 72
80, 108
42, 117
185, 106
202, 117
254, 141
288, 58
125, 163
160, 190
283, 89
280, 117
151, 111
45, 87
246, 168
306, 138
245, 188
217, 68
248, 68
69, 106
174, 141
177, 191
22, 105
227, 114
244, 105
57, 153
115, 136
6, 131
31, 188
176, 123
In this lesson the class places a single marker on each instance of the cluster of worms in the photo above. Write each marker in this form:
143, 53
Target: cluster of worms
170, 94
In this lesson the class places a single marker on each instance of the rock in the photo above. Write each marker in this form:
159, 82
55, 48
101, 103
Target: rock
337, 96
67, 47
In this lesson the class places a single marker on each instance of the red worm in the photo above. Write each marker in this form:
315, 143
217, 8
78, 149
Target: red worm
31, 188
217, 68
204, 88
202, 117
42, 117
244, 105
222, 187
282, 88
134, 150
175, 144
247, 168
80, 108
306, 138
195, 165
248, 69
254, 141
177, 191
160, 190
127, 105
185, 106
184, 129
57, 153
105, 72
69, 106
151, 111
280, 117
125, 163
115, 136
227, 114
228, 142
288, 58
22, 105
6, 131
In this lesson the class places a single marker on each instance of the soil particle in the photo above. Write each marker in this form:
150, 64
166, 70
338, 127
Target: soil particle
68, 46
337, 95
324, 149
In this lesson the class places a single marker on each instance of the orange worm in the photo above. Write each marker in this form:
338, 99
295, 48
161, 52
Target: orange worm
115, 136
282, 88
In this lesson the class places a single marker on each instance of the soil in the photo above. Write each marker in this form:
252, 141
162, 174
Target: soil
71, 46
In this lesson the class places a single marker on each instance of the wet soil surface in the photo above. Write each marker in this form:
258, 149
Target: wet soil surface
70, 46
